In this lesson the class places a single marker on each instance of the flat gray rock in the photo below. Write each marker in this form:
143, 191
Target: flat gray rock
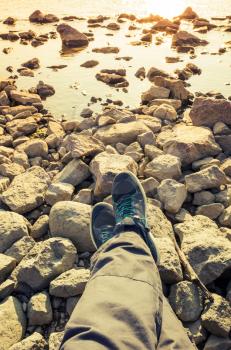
26, 192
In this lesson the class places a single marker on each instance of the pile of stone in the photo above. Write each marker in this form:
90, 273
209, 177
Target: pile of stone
52, 172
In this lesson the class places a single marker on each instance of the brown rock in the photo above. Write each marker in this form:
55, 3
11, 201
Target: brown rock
39, 17
182, 38
71, 37
208, 111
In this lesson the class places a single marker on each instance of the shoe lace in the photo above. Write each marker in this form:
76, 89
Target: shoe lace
105, 234
125, 208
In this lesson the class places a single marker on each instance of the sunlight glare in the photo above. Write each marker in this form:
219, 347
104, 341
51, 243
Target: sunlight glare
165, 8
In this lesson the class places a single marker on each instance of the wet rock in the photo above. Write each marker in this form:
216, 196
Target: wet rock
113, 26
39, 17
165, 25
154, 92
212, 210
12, 227
176, 87
9, 21
89, 64
188, 13
140, 73
182, 38
34, 148
28, 35
71, 37
210, 177
26, 72
81, 145
24, 97
156, 72
107, 49
39, 311
217, 343
32, 64
26, 191
12, 322
55, 340
115, 80
7, 265
164, 167
147, 37
58, 192
9, 36
172, 194
35, 341
45, 90
34, 271
40, 227
208, 111
121, 132
20, 248
225, 218
206, 248
71, 220
105, 167
73, 173
70, 283
186, 301
216, 317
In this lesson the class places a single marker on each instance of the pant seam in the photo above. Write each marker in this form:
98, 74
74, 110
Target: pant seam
128, 277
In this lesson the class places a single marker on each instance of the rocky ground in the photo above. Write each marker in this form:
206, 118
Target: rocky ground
52, 172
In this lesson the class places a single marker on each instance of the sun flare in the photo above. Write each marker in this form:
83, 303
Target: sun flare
165, 8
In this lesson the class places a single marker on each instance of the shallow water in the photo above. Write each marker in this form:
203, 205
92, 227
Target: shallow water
69, 100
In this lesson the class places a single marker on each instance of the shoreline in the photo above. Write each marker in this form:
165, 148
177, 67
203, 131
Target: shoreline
177, 143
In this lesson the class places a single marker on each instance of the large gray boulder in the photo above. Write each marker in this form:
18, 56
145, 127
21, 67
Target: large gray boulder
186, 300
26, 192
121, 132
20, 248
70, 283
12, 227
105, 166
205, 246
12, 322
72, 220
34, 269
190, 143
